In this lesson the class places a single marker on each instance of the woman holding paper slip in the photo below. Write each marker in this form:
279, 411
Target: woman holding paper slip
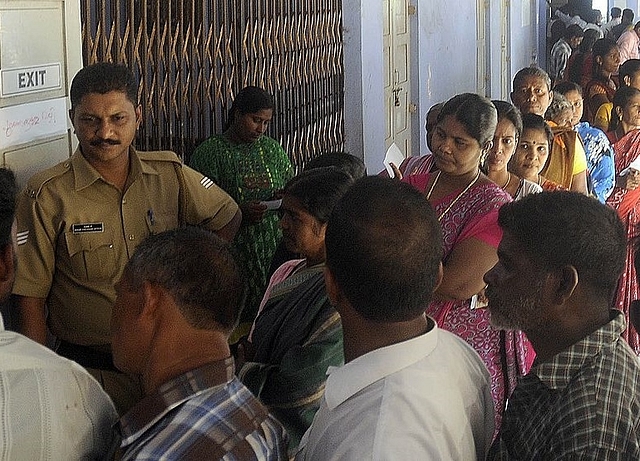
466, 203
251, 167
625, 197
297, 334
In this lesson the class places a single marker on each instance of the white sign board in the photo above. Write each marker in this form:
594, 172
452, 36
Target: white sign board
30, 79
26, 122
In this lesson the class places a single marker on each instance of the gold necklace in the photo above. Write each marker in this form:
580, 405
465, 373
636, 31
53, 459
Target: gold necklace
508, 181
433, 184
453, 202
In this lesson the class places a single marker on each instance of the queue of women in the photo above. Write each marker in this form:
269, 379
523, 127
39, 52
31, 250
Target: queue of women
483, 154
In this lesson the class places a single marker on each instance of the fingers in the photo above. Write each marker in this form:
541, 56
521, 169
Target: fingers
397, 174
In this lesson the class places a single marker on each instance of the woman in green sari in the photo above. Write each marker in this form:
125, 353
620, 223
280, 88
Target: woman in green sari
251, 167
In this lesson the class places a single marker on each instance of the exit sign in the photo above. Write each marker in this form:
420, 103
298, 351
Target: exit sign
29, 79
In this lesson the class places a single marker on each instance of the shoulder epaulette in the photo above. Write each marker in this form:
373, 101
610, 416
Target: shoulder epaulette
159, 156
38, 180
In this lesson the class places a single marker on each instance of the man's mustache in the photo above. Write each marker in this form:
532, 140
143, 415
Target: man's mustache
98, 142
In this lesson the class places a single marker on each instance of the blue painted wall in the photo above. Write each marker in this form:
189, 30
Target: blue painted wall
444, 57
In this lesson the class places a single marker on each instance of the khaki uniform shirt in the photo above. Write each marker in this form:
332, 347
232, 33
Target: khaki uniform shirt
77, 232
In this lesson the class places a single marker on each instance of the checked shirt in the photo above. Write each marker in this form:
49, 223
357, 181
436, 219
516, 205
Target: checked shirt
582, 404
205, 413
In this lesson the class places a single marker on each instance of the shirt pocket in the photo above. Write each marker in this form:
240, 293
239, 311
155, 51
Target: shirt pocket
161, 221
92, 255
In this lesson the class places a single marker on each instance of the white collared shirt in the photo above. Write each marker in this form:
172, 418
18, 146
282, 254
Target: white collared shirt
425, 398
51, 407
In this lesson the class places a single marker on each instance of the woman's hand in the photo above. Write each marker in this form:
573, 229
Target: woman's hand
397, 174
253, 212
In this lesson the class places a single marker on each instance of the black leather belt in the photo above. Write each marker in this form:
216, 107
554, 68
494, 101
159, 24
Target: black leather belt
87, 356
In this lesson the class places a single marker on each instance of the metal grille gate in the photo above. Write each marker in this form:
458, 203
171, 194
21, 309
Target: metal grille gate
192, 57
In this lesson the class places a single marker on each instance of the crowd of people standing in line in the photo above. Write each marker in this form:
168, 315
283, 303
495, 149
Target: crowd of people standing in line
442, 313
607, 76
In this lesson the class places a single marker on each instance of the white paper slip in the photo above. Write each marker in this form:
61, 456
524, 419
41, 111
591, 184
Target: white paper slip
272, 204
394, 155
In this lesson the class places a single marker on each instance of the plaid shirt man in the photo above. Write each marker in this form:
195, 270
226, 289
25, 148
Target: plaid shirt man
203, 414
583, 404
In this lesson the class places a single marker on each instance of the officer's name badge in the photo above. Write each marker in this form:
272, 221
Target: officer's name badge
87, 228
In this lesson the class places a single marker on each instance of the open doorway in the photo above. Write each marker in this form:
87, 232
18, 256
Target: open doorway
603, 6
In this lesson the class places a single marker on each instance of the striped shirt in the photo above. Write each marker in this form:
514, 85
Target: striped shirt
203, 414
582, 404
560, 54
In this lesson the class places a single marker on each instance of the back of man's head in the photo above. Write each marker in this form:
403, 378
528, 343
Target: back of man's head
102, 78
573, 31
627, 16
615, 12
628, 69
384, 246
200, 272
7, 216
558, 229
7, 205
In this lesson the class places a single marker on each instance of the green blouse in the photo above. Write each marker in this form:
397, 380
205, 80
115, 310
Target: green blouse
247, 172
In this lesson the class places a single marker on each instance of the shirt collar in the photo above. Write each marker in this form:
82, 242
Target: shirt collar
171, 394
349, 379
85, 174
557, 372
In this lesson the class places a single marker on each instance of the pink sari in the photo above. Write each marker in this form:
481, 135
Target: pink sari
507, 354
627, 204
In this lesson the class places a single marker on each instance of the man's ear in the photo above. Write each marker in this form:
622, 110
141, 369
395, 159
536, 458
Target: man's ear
565, 281
627, 80
71, 115
151, 295
138, 116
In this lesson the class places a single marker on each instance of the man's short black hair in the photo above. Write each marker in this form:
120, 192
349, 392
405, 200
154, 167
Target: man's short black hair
627, 69
384, 247
574, 30
558, 229
198, 269
102, 78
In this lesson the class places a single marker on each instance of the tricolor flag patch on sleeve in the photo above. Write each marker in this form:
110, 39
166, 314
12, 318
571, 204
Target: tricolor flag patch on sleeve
23, 237
206, 182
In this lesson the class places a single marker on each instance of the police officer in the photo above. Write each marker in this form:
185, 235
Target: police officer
80, 221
